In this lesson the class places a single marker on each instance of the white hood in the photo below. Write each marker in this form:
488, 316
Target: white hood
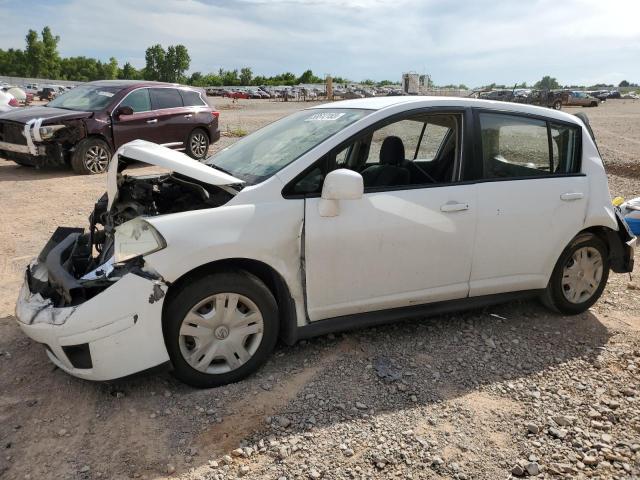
155, 154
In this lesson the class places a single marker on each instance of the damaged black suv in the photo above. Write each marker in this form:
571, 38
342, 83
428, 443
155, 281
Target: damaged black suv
83, 127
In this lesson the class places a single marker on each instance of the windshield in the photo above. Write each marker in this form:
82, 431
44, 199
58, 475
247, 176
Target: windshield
267, 151
88, 98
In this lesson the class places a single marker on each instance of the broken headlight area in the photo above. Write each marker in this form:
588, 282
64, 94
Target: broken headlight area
69, 271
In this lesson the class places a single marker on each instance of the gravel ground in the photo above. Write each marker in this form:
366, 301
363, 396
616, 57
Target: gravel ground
510, 391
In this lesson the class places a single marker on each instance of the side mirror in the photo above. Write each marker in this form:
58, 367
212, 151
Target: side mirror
341, 184
124, 110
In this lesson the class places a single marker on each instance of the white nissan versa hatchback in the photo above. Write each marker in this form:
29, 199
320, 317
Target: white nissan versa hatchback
348, 214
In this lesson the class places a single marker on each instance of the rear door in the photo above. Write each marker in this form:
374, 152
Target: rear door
174, 120
532, 200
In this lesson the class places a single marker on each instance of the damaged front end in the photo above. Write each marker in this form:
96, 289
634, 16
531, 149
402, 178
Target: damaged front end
39, 142
77, 265
89, 295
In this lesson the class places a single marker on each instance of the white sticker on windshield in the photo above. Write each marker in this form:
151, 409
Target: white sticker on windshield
324, 117
106, 94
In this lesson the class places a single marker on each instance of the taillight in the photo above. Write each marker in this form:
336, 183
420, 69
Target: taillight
215, 113
14, 103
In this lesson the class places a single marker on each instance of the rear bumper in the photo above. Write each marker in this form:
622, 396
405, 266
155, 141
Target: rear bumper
116, 333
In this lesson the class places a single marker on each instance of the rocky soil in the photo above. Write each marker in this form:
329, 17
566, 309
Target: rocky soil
509, 391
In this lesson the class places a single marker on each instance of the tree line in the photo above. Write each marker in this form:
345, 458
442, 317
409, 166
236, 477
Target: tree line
41, 59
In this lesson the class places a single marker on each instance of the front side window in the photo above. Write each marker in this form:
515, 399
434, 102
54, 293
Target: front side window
138, 100
262, 154
420, 150
165, 98
87, 98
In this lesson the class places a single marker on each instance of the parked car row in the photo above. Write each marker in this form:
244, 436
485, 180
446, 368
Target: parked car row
83, 127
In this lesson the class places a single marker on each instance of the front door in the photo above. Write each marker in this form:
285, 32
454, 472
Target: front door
409, 240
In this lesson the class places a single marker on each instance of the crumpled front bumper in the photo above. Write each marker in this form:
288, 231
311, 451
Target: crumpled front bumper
116, 333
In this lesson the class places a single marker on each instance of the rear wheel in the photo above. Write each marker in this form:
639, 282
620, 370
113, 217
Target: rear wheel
579, 276
198, 144
220, 328
91, 156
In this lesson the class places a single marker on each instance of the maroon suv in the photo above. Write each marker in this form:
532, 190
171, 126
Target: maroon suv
83, 127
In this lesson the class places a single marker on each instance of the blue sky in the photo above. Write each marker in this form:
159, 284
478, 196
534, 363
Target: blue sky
471, 42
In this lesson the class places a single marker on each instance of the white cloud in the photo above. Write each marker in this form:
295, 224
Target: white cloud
473, 42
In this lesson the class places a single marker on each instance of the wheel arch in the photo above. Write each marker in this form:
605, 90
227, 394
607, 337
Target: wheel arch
97, 136
615, 242
266, 273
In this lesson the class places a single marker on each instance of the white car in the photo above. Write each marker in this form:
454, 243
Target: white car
339, 216
7, 102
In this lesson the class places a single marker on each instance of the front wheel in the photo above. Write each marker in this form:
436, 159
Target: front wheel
579, 276
198, 144
91, 156
220, 328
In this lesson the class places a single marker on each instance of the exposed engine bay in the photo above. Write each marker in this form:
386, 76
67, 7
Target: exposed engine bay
76, 264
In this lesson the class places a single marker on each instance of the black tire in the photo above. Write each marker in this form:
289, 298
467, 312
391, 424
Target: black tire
198, 144
594, 104
190, 295
554, 296
557, 105
89, 156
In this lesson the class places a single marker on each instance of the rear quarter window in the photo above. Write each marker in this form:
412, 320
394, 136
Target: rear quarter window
191, 98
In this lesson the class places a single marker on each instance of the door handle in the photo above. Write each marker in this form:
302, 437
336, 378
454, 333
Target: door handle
155, 120
567, 197
454, 207
188, 115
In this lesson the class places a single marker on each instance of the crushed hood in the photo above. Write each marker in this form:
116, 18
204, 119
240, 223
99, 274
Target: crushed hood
154, 154
23, 115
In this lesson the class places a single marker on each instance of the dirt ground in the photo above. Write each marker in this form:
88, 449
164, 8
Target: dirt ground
476, 395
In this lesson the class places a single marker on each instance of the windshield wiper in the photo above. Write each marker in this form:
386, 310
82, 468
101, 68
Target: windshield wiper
221, 169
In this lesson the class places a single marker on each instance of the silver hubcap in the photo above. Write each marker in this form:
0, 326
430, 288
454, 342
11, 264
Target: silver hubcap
199, 144
221, 333
582, 275
97, 159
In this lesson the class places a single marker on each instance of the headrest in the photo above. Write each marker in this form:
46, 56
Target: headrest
392, 151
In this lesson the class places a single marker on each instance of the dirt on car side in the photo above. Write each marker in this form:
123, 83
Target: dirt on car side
510, 390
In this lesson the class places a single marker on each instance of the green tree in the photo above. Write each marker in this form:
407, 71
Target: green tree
51, 57
245, 76
547, 83
623, 83
309, 77
176, 63
34, 54
154, 62
128, 72
109, 71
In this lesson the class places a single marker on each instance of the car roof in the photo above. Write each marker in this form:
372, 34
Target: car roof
132, 83
410, 101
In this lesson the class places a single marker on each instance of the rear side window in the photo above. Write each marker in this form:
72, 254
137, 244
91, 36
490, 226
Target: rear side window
514, 146
165, 98
138, 100
191, 98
